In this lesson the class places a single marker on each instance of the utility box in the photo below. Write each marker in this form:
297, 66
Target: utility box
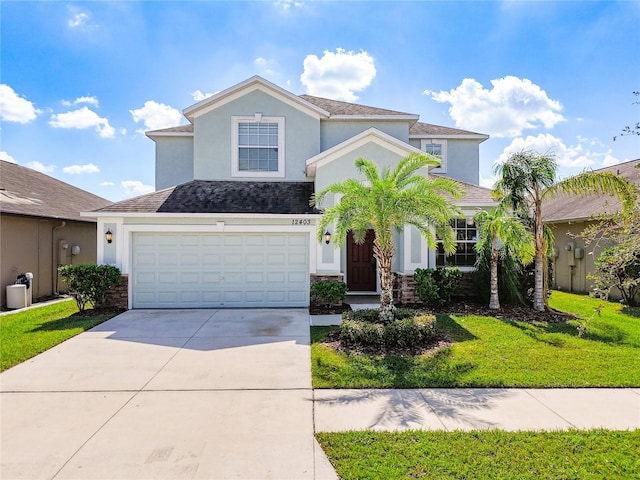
16, 296
578, 253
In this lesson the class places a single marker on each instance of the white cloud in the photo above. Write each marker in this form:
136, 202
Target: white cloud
90, 100
198, 96
488, 182
106, 184
511, 106
81, 119
40, 167
7, 158
582, 155
267, 67
156, 115
79, 169
338, 75
133, 188
80, 19
14, 108
287, 4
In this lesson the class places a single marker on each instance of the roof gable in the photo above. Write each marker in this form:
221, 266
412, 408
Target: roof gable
371, 135
24, 191
254, 83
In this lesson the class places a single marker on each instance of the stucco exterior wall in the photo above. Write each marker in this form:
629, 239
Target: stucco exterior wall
334, 132
32, 245
463, 159
174, 161
344, 167
213, 137
564, 234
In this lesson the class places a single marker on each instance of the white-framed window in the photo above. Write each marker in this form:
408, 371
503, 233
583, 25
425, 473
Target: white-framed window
466, 233
257, 146
437, 148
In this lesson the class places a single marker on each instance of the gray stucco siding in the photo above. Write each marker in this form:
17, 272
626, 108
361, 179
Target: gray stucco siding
334, 132
174, 161
463, 159
213, 137
343, 167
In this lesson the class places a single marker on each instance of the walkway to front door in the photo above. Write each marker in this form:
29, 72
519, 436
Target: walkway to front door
361, 265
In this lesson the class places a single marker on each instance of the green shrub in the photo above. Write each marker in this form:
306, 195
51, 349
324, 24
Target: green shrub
372, 315
329, 291
405, 334
89, 284
436, 287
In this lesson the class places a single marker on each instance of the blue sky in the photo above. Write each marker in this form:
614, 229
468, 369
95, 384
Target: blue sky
82, 81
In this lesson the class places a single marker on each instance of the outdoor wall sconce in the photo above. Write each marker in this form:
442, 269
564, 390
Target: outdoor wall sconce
108, 236
327, 237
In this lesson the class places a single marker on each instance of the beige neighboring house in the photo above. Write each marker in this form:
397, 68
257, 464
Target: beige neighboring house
568, 216
41, 227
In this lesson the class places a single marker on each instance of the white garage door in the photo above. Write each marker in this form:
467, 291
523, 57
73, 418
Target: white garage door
210, 270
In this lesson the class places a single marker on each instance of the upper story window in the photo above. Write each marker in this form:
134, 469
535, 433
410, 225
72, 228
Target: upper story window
437, 148
258, 146
466, 238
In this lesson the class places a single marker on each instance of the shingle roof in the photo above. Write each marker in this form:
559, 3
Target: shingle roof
420, 128
573, 207
201, 196
24, 191
473, 193
335, 107
179, 129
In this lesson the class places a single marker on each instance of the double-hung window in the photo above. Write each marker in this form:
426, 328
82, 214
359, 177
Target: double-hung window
258, 146
466, 237
437, 148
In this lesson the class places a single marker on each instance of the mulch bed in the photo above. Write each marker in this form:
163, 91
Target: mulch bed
507, 312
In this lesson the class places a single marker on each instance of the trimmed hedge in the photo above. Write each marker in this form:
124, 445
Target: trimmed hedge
405, 334
372, 315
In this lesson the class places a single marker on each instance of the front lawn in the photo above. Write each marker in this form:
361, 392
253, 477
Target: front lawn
590, 454
30, 332
493, 352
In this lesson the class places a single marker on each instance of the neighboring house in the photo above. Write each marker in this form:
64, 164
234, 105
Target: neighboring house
231, 225
41, 227
568, 216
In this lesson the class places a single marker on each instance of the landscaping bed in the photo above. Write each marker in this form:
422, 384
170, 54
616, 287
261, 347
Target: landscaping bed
597, 345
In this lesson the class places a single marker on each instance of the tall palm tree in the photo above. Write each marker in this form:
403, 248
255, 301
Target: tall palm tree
527, 178
507, 236
386, 202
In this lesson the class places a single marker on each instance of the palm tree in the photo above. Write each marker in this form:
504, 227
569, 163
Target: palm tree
527, 178
387, 202
507, 236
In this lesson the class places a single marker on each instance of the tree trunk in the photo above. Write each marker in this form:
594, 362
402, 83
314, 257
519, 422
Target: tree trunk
538, 289
386, 282
494, 300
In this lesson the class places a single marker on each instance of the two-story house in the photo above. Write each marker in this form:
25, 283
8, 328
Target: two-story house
230, 224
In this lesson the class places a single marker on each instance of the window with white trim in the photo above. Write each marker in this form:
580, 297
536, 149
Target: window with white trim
437, 148
466, 234
258, 146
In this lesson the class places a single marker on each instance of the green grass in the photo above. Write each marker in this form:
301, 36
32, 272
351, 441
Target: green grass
591, 454
489, 352
30, 332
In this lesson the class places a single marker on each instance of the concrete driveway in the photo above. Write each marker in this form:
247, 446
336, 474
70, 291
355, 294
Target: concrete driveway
167, 394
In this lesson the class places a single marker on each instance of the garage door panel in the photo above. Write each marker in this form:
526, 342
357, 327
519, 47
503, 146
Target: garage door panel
220, 270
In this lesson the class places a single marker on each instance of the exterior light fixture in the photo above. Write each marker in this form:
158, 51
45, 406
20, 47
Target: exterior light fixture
108, 236
327, 237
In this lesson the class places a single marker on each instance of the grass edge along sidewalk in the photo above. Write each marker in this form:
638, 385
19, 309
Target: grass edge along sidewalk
29, 332
584, 454
601, 348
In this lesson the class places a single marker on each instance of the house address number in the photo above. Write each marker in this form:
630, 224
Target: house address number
301, 221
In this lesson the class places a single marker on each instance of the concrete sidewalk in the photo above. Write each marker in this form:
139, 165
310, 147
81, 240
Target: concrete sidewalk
167, 394
472, 409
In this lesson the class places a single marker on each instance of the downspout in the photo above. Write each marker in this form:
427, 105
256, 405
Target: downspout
54, 278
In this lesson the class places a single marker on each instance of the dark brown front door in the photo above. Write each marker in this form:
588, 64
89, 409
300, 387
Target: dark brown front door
361, 266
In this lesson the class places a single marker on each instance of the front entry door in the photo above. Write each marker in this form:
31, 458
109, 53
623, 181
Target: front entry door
361, 265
